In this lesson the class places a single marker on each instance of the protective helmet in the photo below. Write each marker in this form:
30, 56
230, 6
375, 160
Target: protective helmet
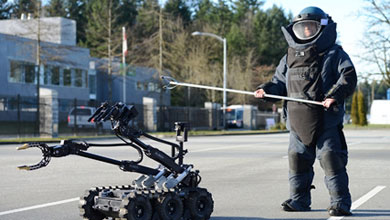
308, 23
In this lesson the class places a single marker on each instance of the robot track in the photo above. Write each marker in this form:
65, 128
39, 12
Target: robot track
129, 203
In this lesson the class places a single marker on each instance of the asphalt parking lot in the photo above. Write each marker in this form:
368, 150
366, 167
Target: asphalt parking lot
246, 174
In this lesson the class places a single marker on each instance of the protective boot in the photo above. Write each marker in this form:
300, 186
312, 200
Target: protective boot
288, 207
337, 211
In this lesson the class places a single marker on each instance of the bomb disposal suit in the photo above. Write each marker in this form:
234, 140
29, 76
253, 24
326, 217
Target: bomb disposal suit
315, 68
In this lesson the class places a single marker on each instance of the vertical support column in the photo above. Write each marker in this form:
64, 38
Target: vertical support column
249, 117
18, 116
48, 114
150, 113
213, 114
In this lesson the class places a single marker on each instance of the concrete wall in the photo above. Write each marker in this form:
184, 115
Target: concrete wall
52, 29
48, 114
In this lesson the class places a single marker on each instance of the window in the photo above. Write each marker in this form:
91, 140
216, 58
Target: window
16, 74
47, 75
67, 77
29, 74
140, 86
25, 72
51, 75
158, 88
85, 78
81, 111
78, 78
151, 87
92, 84
55, 75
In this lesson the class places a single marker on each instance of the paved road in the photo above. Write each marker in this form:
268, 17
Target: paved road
247, 176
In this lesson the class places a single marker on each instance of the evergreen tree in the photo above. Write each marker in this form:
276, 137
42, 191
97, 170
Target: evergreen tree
354, 109
204, 11
241, 8
271, 45
24, 6
127, 12
77, 10
104, 35
178, 9
5, 9
237, 41
103, 32
56, 8
147, 20
362, 109
218, 16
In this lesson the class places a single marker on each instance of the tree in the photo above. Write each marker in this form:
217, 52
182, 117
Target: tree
56, 8
147, 20
218, 16
241, 36
358, 109
362, 109
204, 11
104, 34
354, 109
178, 9
376, 40
127, 12
161, 39
5, 9
241, 8
271, 45
77, 10
24, 7
241, 73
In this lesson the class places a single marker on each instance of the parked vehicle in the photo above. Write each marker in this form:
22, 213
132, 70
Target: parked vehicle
82, 114
234, 116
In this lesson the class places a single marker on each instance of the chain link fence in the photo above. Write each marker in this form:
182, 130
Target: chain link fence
18, 117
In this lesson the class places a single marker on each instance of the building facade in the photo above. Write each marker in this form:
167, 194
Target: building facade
63, 67
140, 82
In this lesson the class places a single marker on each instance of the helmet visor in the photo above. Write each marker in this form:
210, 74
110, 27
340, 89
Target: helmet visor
307, 29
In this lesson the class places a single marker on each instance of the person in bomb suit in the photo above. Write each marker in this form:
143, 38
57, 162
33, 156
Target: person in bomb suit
314, 68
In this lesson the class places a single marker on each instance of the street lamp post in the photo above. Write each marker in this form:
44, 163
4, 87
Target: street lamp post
197, 33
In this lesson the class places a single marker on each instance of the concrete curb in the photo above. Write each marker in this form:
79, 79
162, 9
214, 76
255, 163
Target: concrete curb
157, 135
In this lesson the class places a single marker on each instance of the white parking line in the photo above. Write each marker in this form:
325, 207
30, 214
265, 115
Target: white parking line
39, 206
361, 200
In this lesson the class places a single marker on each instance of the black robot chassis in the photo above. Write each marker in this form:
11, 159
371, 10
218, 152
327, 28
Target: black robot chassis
169, 192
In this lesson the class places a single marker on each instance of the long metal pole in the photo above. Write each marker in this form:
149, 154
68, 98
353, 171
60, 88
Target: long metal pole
244, 92
224, 82
124, 65
38, 64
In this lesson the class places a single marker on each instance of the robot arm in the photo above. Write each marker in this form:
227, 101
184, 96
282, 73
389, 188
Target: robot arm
121, 115
68, 147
